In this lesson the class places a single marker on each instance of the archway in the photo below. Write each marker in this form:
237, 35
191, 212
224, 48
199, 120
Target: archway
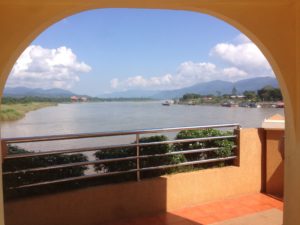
29, 20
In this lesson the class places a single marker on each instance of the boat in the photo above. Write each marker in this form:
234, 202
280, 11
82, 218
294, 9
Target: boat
244, 104
229, 104
167, 103
254, 105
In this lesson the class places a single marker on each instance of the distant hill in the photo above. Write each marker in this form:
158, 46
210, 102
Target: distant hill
19, 92
211, 87
223, 87
131, 94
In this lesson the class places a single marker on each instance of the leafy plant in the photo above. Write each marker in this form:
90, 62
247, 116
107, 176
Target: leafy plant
225, 146
144, 162
23, 178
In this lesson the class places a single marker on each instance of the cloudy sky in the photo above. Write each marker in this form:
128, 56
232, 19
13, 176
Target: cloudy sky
109, 50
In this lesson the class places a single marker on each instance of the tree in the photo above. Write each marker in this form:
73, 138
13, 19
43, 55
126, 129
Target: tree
234, 91
269, 93
190, 96
250, 95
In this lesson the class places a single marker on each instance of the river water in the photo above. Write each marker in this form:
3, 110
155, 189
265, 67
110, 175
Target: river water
116, 116
112, 116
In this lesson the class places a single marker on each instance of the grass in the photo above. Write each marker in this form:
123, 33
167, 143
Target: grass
11, 112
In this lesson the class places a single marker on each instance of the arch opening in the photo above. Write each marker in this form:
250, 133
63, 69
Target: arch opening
266, 53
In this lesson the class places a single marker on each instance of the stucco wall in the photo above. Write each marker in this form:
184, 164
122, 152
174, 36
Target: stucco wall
274, 25
274, 162
95, 205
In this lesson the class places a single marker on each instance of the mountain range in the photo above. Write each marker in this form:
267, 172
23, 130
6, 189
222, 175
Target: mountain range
212, 87
19, 92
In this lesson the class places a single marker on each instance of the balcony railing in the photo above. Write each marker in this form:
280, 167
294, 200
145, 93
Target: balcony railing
184, 148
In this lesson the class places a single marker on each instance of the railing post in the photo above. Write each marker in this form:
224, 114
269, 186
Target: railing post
237, 132
138, 173
3, 149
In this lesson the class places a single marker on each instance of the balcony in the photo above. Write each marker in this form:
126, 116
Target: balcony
251, 209
215, 177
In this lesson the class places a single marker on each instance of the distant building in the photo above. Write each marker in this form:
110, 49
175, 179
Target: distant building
237, 96
83, 99
78, 99
74, 99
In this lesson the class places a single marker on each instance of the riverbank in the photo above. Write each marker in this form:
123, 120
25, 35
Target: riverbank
11, 112
243, 104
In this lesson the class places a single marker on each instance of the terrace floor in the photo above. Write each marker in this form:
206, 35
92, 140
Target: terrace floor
255, 209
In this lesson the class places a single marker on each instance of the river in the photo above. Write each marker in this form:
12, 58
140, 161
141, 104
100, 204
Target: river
111, 116
115, 116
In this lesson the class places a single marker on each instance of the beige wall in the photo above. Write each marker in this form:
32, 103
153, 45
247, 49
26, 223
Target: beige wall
274, 25
95, 205
274, 162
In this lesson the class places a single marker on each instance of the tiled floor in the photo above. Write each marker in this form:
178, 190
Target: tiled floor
255, 209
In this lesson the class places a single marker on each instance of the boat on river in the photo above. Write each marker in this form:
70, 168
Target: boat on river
229, 104
167, 103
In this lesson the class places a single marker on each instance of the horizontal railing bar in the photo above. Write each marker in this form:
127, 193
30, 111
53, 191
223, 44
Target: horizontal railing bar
79, 178
181, 152
95, 162
190, 163
63, 166
106, 134
188, 140
121, 172
58, 152
66, 151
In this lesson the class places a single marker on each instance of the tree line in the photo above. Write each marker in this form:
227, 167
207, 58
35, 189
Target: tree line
267, 93
30, 99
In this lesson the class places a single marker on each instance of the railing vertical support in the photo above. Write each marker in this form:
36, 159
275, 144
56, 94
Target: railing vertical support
237, 132
138, 172
4, 149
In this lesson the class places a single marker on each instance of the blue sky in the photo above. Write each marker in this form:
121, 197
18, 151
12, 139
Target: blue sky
109, 50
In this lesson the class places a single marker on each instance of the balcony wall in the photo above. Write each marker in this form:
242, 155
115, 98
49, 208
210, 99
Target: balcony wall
96, 205
274, 162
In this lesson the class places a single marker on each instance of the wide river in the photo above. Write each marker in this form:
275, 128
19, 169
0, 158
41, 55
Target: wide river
116, 116
95, 117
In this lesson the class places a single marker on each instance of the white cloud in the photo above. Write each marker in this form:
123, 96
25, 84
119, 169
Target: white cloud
40, 67
188, 73
242, 57
234, 73
114, 83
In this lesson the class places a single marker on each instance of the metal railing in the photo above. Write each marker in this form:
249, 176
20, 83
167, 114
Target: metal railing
137, 145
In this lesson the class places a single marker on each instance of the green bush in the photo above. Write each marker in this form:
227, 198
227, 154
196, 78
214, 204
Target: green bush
23, 178
225, 145
144, 163
112, 153
158, 161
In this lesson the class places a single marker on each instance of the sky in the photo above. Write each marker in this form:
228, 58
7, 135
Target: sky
111, 50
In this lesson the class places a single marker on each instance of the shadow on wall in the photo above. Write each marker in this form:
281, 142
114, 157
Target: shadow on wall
275, 182
275, 162
131, 203
97, 204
